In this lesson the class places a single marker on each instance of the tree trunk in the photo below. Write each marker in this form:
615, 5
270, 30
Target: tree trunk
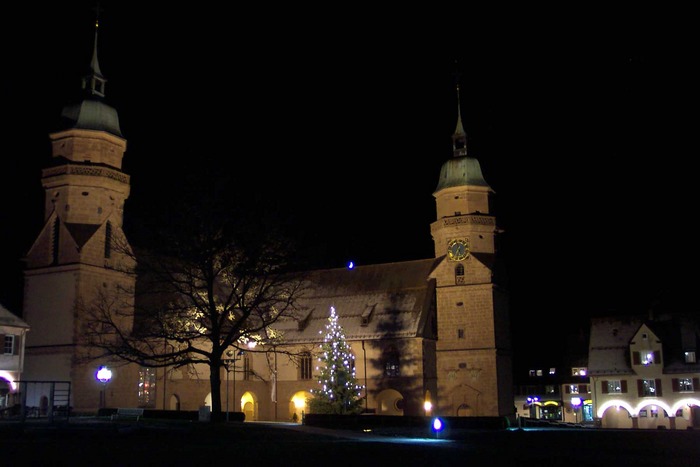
215, 383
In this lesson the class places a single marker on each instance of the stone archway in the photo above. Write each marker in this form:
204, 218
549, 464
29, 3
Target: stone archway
298, 405
465, 410
616, 417
174, 402
390, 402
248, 405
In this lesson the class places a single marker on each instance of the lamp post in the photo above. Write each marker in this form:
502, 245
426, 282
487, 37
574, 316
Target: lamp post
103, 375
232, 357
576, 403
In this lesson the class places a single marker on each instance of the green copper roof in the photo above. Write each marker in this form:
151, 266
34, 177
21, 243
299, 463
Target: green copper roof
91, 114
461, 171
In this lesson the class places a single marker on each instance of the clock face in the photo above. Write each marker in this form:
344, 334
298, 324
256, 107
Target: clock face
458, 249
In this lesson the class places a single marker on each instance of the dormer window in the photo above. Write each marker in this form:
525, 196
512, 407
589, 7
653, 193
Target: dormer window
689, 356
581, 371
646, 357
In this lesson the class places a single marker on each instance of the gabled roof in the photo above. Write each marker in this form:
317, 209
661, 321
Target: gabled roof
611, 337
608, 349
372, 302
7, 318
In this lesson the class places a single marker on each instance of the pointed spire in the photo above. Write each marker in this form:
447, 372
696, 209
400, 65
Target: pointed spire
459, 137
91, 112
94, 82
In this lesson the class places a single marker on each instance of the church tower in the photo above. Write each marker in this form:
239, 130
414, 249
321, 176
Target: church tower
81, 252
473, 348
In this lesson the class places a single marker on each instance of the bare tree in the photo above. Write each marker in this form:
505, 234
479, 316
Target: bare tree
212, 284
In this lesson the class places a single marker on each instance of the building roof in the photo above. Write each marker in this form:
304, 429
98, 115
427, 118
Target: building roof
609, 345
389, 300
7, 318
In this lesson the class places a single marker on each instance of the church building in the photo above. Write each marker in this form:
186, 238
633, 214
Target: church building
429, 336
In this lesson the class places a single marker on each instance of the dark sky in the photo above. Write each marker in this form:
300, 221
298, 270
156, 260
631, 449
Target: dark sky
582, 127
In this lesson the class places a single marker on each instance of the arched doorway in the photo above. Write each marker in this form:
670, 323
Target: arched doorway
390, 402
465, 410
616, 417
298, 405
174, 402
248, 406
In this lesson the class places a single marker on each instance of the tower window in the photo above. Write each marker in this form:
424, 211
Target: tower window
459, 274
460, 333
108, 240
55, 243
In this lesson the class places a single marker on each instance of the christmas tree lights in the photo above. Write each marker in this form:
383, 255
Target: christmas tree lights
339, 392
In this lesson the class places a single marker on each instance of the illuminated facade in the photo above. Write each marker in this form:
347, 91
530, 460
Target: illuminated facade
644, 371
429, 336
13, 333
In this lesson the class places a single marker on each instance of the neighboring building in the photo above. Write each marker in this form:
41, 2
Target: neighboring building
432, 330
644, 371
13, 332
558, 393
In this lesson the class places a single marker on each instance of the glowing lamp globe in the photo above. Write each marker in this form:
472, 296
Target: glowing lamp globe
103, 374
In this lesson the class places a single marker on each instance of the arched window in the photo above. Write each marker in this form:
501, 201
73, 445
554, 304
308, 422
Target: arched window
247, 367
305, 366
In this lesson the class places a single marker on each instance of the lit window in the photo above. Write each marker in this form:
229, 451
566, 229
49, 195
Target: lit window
9, 344
581, 371
614, 387
532, 373
550, 389
573, 388
391, 363
539, 372
147, 387
648, 388
552, 371
690, 357
685, 384
647, 357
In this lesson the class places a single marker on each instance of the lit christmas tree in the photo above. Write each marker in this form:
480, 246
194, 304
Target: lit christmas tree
339, 393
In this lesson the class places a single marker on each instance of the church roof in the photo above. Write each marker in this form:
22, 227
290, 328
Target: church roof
91, 114
460, 172
372, 302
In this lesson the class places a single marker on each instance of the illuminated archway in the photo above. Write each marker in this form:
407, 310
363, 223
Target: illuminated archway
616, 414
298, 405
249, 406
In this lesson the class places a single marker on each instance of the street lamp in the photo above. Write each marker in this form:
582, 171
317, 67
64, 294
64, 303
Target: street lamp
103, 375
576, 403
232, 357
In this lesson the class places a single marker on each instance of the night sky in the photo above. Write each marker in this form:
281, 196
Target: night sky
340, 127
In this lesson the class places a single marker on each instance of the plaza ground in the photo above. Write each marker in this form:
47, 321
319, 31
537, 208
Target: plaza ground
153, 443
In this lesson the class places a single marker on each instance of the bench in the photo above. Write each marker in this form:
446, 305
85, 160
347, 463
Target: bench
128, 412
